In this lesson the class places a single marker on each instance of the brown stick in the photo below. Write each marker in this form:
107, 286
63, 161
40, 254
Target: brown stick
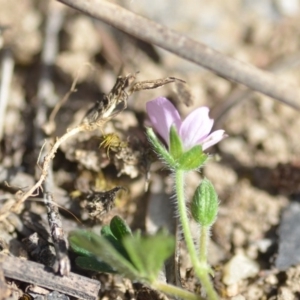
34, 273
189, 49
48, 158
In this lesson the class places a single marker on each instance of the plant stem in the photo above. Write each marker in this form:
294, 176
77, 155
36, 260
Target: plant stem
203, 244
174, 291
179, 182
201, 268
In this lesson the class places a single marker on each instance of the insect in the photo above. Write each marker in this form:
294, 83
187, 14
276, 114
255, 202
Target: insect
100, 203
112, 142
104, 108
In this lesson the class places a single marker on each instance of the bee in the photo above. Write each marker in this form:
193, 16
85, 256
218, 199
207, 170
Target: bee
112, 142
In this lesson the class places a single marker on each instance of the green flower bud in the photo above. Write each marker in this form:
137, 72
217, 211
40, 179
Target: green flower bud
204, 206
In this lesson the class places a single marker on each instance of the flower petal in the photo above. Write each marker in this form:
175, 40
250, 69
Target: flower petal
195, 127
163, 115
213, 139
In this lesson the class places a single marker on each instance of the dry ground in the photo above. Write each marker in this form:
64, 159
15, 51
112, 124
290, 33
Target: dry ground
254, 241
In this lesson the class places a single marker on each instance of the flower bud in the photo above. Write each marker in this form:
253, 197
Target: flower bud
204, 206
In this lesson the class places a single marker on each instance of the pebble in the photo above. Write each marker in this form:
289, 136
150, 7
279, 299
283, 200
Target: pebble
288, 7
238, 268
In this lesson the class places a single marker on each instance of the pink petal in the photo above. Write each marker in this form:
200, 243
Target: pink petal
163, 115
213, 139
195, 127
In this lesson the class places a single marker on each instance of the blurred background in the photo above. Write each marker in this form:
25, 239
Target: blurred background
46, 45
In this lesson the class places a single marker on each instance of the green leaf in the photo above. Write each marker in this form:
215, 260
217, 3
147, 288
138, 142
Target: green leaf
103, 250
93, 264
192, 159
148, 253
176, 148
205, 203
106, 231
160, 149
77, 247
119, 228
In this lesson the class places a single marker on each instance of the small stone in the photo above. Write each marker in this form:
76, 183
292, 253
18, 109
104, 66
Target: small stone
83, 36
263, 245
57, 296
288, 252
238, 237
238, 297
288, 7
238, 268
70, 63
272, 279
285, 294
257, 133
232, 290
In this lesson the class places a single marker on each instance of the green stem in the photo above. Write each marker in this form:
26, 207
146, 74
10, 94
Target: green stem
200, 267
179, 183
174, 291
203, 244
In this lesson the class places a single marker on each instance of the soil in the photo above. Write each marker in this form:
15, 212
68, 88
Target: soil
255, 170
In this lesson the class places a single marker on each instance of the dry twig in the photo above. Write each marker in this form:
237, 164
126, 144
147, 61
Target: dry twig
103, 111
31, 272
62, 264
45, 166
45, 94
241, 94
189, 49
6, 77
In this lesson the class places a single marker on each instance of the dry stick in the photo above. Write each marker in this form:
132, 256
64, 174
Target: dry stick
189, 49
49, 127
27, 271
4, 291
46, 98
100, 113
47, 160
45, 93
62, 262
96, 117
241, 95
6, 76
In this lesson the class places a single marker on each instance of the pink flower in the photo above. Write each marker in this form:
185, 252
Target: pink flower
193, 130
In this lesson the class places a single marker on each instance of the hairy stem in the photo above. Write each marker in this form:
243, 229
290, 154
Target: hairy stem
174, 291
201, 268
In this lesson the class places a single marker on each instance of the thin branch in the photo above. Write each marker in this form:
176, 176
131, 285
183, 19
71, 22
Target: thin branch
240, 95
45, 166
45, 93
6, 77
102, 111
4, 291
34, 273
189, 49
50, 125
62, 262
